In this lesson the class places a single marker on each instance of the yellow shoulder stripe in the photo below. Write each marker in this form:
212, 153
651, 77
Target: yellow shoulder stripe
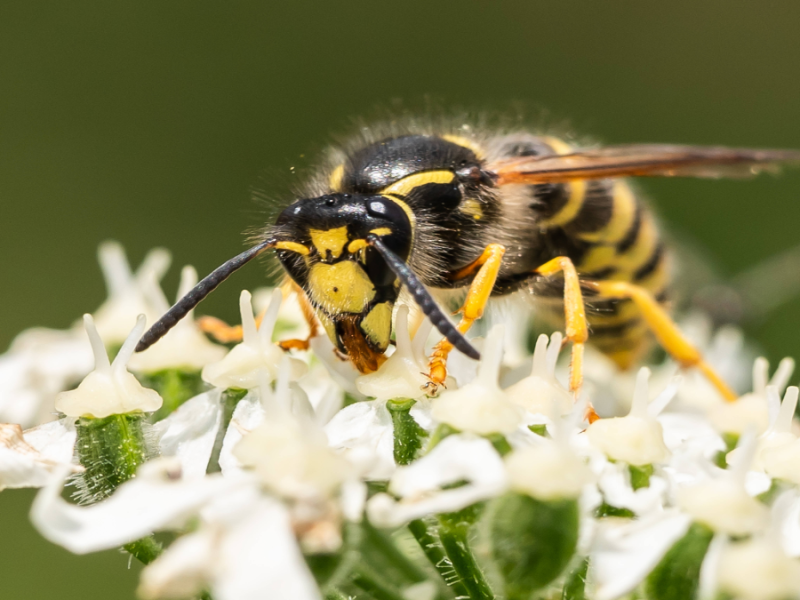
404, 186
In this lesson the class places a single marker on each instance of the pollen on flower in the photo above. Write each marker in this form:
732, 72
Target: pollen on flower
481, 406
245, 364
109, 389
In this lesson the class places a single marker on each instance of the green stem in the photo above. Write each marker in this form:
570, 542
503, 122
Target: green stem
145, 550
334, 594
228, 401
382, 554
454, 541
369, 582
428, 540
408, 435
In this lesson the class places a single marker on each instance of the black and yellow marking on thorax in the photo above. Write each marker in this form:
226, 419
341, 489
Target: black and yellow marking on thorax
610, 235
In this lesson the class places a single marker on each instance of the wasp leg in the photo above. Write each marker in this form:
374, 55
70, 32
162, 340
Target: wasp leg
577, 330
228, 334
664, 328
485, 267
221, 331
308, 314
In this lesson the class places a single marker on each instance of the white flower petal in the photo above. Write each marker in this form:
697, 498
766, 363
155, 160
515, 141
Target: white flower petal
624, 552
456, 458
156, 499
481, 406
183, 570
725, 506
259, 558
33, 460
617, 491
758, 569
189, 432
549, 471
248, 414
365, 428
40, 364
402, 375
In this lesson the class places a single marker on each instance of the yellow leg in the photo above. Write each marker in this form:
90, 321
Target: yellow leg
577, 331
487, 266
665, 330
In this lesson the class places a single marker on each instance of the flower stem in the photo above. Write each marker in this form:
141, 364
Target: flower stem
368, 581
408, 435
454, 541
229, 400
110, 450
381, 553
428, 540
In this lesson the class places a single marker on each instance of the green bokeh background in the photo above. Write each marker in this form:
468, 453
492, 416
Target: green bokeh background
150, 122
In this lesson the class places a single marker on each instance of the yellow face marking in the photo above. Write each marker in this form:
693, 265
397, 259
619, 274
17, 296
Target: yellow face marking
335, 180
293, 247
404, 186
330, 239
622, 216
381, 231
328, 325
466, 143
377, 325
356, 245
471, 207
342, 287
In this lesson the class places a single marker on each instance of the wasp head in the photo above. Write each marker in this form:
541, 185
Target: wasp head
347, 281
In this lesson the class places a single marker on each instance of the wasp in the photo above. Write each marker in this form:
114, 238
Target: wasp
491, 213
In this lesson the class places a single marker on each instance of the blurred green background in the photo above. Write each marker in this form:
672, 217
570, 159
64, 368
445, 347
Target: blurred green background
150, 123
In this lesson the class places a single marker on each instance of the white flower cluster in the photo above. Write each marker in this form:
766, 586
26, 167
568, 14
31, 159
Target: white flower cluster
279, 474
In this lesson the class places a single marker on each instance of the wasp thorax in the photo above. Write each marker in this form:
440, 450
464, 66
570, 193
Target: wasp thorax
349, 284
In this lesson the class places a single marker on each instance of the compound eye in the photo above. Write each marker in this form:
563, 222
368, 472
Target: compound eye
386, 210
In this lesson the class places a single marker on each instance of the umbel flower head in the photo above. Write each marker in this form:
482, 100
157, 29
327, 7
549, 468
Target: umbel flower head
291, 476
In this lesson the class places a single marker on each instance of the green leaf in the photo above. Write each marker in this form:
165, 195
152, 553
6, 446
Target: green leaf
677, 576
531, 541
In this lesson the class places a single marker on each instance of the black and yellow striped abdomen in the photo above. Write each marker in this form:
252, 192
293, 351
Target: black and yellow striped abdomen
609, 234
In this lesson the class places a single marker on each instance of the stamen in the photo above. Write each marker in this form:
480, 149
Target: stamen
249, 329
128, 347
101, 362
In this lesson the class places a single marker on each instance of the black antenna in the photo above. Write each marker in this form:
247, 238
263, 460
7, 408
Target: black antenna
196, 295
423, 297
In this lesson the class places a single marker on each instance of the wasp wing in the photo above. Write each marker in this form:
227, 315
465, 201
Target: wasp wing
641, 160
